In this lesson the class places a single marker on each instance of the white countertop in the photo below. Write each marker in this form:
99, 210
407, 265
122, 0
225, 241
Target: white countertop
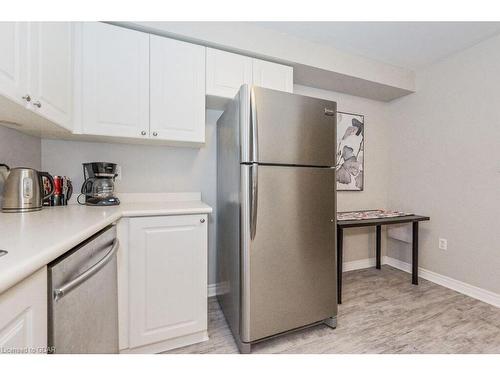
35, 239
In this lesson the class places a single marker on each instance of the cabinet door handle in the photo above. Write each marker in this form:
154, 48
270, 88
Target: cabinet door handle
143, 132
202, 221
27, 97
155, 134
37, 104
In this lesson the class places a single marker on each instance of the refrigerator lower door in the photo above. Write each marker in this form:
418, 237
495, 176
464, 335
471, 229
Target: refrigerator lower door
288, 249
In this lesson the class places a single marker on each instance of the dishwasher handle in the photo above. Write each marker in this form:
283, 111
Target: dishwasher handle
69, 286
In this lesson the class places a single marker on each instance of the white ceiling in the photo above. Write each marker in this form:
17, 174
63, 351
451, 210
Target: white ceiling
410, 45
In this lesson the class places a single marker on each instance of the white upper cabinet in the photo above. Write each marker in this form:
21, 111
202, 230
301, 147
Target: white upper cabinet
114, 81
14, 60
51, 68
98, 79
36, 67
272, 76
226, 72
141, 86
177, 86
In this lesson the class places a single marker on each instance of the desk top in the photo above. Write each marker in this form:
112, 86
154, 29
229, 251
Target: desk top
380, 221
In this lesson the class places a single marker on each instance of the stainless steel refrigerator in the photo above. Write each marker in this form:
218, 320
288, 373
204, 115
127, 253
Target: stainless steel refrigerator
276, 213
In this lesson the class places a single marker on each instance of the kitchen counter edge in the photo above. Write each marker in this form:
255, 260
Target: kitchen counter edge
11, 274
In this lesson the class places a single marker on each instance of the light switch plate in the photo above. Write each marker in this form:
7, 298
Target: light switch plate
443, 244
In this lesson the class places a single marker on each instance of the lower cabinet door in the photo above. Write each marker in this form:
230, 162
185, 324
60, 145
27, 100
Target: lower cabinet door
23, 316
167, 278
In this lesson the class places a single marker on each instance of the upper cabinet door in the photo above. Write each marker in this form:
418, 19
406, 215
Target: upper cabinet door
13, 60
272, 76
226, 72
177, 84
51, 64
115, 81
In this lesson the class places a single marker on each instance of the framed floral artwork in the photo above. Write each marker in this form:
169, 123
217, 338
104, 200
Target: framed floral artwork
350, 151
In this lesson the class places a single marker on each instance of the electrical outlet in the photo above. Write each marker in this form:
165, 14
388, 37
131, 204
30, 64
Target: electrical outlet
443, 244
118, 173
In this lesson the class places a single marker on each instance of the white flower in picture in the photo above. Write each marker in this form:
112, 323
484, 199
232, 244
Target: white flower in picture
350, 151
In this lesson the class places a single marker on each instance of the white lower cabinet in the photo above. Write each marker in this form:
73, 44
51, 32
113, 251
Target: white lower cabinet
167, 283
114, 81
23, 316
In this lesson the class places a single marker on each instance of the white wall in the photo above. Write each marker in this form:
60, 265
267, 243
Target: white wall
359, 243
146, 169
445, 163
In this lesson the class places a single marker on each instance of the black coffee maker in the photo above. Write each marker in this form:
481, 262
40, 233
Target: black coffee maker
98, 187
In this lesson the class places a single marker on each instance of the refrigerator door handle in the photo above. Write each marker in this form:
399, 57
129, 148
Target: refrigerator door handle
253, 200
254, 125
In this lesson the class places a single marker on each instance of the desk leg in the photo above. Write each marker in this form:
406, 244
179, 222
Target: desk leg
340, 240
379, 251
414, 274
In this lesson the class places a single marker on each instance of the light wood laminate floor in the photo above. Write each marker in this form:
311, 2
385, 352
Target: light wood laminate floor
382, 312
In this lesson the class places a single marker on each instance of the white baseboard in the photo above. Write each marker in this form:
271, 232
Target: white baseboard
399, 264
212, 290
456, 285
358, 264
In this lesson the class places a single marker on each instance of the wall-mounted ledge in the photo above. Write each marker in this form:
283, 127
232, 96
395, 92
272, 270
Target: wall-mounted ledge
314, 64
329, 80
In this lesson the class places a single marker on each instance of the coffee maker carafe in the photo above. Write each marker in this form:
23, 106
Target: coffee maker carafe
98, 187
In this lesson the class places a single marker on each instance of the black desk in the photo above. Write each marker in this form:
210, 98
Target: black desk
342, 224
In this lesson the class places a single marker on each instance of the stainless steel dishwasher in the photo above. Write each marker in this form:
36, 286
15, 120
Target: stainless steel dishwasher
83, 297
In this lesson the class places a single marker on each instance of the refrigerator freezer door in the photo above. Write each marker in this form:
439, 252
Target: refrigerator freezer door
288, 129
288, 249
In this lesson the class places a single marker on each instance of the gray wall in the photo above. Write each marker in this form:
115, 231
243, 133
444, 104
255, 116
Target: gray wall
359, 243
434, 152
445, 162
18, 150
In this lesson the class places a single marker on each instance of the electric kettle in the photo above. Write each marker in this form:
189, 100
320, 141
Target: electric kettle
23, 189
